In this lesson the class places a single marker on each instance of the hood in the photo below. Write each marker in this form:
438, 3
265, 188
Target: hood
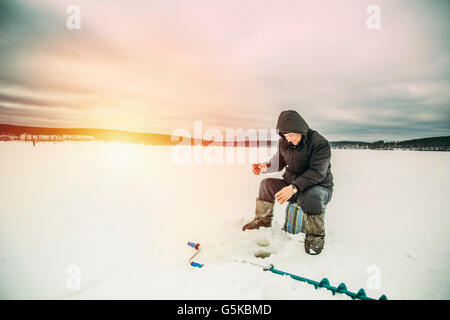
291, 121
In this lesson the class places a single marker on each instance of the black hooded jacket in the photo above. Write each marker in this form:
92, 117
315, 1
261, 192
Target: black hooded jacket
308, 163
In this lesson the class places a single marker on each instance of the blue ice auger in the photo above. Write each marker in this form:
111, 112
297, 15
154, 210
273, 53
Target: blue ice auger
196, 246
324, 283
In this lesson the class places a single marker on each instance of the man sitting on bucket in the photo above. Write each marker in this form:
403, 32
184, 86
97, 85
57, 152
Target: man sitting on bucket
305, 154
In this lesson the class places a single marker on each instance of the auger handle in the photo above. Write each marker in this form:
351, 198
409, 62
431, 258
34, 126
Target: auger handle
195, 264
194, 245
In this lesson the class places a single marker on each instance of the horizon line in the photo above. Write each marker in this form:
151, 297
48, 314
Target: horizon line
166, 134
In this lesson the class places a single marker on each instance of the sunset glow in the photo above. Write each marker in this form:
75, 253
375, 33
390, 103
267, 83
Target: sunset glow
156, 66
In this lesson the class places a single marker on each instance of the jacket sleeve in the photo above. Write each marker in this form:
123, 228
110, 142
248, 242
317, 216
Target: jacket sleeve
318, 167
276, 163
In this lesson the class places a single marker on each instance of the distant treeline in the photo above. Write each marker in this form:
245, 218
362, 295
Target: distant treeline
425, 144
44, 134
26, 133
37, 134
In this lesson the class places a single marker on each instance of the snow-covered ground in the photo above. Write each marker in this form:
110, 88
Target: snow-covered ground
118, 217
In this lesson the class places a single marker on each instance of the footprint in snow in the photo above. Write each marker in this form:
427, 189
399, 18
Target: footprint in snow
262, 253
262, 242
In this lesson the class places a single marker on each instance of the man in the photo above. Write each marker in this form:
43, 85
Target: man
307, 180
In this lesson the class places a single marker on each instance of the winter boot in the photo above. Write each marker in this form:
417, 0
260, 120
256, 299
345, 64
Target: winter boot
315, 233
263, 215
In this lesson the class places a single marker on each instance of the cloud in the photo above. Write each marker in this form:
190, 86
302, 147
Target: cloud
36, 102
158, 66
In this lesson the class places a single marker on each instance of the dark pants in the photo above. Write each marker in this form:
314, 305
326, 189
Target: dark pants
312, 201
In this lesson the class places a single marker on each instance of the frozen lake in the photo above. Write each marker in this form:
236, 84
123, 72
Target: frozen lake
115, 219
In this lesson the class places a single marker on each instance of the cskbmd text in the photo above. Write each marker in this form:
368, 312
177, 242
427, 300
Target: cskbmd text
226, 309
246, 309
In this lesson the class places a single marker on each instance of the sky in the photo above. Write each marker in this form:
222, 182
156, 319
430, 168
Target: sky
158, 66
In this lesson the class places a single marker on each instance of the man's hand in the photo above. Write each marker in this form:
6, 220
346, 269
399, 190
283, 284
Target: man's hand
284, 194
257, 168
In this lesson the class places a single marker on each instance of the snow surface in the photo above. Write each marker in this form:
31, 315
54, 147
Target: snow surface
123, 214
